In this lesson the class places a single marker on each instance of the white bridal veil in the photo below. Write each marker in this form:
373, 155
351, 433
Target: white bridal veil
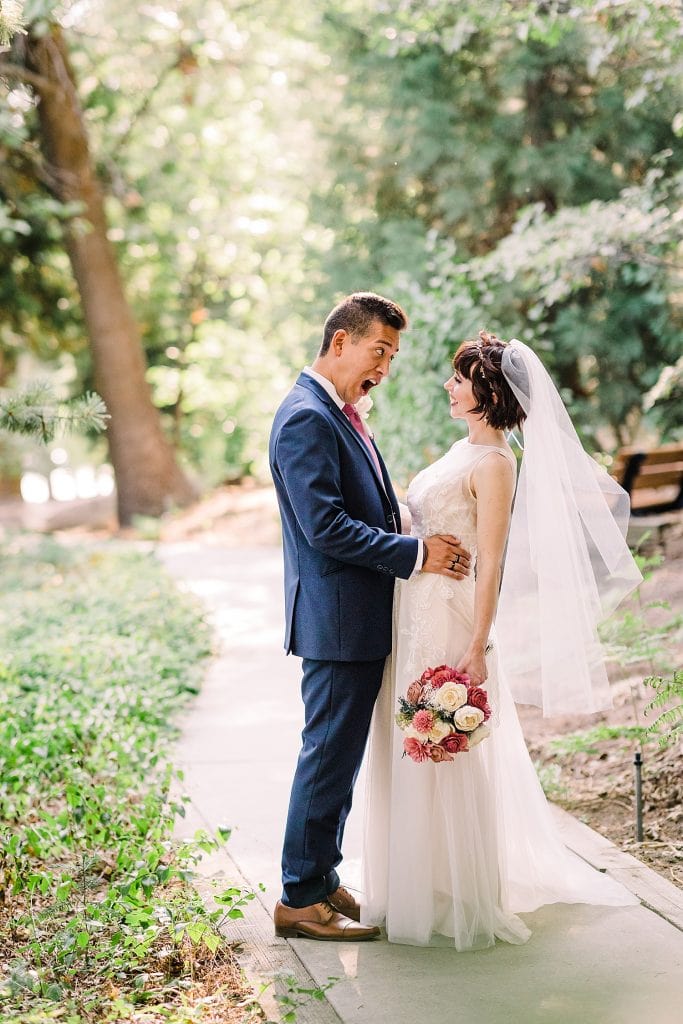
567, 565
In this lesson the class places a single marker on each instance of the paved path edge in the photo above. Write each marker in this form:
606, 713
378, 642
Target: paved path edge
652, 889
266, 960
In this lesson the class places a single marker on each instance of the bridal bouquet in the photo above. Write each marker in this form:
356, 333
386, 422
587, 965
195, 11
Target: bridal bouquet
441, 714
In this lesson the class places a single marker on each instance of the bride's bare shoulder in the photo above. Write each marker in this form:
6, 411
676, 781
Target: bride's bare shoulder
494, 473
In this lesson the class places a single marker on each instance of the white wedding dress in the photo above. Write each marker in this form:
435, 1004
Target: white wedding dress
453, 851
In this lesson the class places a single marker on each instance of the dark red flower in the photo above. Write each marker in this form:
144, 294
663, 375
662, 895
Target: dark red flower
428, 673
455, 742
436, 677
478, 698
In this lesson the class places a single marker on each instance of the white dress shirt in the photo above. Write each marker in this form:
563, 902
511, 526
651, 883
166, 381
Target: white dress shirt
329, 387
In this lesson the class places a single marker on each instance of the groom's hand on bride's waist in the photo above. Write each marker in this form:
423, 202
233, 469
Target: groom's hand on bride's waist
445, 555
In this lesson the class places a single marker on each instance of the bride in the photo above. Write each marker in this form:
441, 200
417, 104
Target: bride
453, 851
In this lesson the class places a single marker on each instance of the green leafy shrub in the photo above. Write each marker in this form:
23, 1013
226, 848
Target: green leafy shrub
98, 650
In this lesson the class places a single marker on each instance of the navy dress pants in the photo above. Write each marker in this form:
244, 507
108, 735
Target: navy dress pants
338, 700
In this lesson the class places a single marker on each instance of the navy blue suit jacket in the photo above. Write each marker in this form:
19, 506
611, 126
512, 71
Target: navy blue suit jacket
340, 531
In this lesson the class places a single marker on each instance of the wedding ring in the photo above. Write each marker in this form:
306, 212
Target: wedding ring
456, 559
452, 566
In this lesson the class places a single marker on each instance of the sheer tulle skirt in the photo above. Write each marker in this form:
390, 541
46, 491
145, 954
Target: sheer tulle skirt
454, 851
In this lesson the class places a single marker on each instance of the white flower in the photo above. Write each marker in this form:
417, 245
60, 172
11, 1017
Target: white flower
439, 730
468, 718
450, 696
363, 406
479, 734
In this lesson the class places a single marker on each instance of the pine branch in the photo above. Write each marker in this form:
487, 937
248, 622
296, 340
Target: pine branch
11, 20
35, 412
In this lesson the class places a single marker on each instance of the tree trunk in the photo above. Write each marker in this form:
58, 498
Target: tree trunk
537, 88
148, 478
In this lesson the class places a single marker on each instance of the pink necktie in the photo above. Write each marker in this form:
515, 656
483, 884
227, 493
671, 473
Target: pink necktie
357, 424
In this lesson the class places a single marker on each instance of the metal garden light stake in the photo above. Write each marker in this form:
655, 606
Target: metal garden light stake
638, 764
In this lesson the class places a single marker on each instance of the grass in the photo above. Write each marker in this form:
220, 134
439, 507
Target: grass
99, 921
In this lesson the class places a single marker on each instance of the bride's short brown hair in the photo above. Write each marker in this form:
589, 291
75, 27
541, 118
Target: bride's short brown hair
479, 361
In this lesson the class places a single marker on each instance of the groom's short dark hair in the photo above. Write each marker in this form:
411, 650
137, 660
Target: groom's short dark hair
356, 312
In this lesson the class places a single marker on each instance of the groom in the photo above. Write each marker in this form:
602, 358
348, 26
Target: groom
343, 550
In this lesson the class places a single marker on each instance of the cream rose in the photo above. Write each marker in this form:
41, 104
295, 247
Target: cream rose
479, 734
450, 696
439, 731
468, 718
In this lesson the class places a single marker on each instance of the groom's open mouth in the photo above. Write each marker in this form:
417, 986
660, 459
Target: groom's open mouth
367, 384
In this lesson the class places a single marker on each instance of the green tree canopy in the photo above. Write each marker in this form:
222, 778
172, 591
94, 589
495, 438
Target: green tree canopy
513, 165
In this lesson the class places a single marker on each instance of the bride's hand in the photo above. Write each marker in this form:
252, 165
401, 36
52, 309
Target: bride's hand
473, 664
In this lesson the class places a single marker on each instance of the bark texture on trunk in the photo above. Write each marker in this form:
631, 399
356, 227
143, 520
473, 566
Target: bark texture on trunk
148, 478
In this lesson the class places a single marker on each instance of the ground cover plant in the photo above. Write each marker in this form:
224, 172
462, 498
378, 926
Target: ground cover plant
98, 917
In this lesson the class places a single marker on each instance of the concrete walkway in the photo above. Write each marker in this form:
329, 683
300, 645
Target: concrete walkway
582, 965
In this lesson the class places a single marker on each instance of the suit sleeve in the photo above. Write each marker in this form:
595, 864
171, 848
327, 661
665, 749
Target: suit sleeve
307, 461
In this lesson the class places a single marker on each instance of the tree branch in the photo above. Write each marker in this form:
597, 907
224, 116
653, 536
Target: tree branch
39, 82
142, 109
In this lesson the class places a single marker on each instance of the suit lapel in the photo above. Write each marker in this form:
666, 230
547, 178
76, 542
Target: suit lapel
383, 482
308, 382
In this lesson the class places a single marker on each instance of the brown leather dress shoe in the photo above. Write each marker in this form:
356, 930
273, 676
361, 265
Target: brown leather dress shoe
342, 900
319, 921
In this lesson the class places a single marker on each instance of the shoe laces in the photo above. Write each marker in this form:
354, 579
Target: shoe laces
329, 910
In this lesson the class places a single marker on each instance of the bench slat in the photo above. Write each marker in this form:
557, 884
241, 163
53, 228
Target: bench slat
648, 499
654, 477
667, 453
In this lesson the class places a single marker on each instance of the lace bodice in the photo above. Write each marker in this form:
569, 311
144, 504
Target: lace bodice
440, 499
434, 609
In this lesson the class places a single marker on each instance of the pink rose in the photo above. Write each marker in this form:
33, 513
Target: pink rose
439, 753
422, 721
416, 750
478, 698
455, 742
414, 692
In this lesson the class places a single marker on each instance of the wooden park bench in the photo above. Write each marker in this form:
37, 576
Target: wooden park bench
653, 479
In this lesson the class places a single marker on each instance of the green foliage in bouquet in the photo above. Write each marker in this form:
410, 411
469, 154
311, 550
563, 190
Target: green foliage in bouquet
405, 713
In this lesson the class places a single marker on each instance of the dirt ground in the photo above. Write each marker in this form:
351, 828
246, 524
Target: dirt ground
596, 782
594, 778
